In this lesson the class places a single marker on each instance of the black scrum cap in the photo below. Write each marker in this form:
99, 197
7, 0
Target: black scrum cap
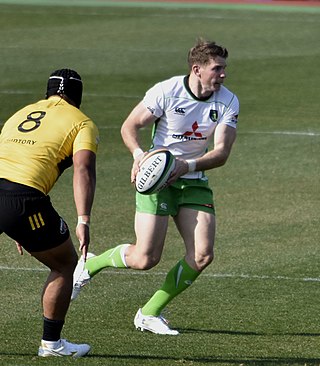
65, 82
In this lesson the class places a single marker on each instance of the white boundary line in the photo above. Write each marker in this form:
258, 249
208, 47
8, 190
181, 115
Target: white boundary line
297, 133
207, 275
28, 92
288, 133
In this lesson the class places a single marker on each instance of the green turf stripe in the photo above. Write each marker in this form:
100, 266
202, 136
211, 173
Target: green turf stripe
106, 3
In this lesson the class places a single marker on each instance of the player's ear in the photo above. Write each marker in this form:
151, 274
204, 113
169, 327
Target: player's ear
196, 69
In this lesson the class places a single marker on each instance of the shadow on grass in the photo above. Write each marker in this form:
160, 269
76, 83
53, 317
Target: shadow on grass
212, 360
249, 360
232, 332
203, 360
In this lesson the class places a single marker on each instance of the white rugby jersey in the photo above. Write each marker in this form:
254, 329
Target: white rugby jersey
185, 123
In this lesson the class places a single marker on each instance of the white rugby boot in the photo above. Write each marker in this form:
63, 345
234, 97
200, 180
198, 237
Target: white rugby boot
63, 348
81, 276
154, 324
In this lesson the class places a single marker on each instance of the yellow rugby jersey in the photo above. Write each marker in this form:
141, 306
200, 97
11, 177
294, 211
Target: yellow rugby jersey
38, 142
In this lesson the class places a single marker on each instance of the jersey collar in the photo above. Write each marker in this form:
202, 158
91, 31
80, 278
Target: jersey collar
186, 85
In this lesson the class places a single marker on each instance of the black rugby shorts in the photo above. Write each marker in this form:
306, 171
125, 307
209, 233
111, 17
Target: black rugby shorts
28, 217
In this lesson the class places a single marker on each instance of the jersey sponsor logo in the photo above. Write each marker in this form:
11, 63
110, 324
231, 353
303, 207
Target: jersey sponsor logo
22, 141
36, 221
191, 135
195, 126
181, 111
213, 114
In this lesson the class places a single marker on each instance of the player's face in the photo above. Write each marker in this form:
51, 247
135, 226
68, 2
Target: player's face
213, 74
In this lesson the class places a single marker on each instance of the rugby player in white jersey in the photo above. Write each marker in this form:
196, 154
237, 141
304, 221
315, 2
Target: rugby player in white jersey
189, 114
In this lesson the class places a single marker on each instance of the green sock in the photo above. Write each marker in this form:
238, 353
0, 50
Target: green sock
178, 279
111, 258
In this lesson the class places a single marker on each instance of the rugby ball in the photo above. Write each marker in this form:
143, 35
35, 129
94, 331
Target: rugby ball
155, 169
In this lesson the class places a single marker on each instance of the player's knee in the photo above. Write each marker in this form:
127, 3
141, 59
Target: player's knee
145, 262
209, 259
203, 261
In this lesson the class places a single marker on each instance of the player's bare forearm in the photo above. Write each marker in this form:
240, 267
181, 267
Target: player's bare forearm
139, 117
225, 137
84, 182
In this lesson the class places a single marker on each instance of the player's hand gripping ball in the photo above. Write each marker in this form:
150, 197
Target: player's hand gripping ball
155, 169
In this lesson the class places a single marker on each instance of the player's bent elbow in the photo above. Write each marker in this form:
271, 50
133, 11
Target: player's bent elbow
223, 159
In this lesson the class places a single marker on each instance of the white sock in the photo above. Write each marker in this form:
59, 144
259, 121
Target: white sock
51, 344
123, 252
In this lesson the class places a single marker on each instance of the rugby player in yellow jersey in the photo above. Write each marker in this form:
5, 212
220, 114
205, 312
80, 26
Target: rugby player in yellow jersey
36, 145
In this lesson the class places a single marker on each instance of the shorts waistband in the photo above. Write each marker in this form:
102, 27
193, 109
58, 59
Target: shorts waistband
16, 188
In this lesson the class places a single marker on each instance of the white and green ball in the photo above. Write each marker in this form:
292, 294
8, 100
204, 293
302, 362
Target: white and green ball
155, 169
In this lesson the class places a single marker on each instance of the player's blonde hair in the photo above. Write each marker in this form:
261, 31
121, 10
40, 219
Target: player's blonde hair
204, 51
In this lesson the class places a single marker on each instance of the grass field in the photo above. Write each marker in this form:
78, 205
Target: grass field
258, 304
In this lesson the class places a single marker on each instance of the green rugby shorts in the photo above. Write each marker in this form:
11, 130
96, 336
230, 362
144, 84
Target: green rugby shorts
191, 193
